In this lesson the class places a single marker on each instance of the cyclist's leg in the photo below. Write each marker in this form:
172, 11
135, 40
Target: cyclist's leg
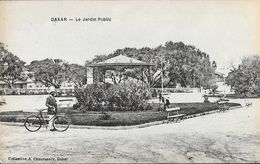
51, 118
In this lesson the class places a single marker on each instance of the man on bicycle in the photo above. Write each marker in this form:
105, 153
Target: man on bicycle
51, 103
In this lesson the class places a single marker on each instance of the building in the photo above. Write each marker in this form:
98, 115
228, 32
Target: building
17, 87
30, 87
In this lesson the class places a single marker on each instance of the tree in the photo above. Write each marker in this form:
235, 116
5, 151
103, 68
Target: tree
100, 58
246, 78
11, 67
77, 74
50, 72
182, 64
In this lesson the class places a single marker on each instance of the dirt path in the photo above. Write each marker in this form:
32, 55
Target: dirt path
219, 137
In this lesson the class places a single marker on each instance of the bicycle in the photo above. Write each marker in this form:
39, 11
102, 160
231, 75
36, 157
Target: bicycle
34, 122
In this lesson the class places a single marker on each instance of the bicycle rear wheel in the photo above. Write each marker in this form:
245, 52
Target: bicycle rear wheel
32, 123
61, 123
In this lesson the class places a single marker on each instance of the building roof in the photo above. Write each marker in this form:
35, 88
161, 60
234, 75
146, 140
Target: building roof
120, 60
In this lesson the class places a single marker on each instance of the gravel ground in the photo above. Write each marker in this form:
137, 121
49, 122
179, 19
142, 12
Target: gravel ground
232, 136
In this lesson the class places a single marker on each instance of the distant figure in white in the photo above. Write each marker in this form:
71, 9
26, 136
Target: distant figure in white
51, 103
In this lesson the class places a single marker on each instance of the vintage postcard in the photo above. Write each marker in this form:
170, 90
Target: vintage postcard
130, 81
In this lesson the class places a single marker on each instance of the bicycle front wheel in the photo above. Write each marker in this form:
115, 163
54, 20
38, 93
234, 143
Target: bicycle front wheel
61, 123
32, 123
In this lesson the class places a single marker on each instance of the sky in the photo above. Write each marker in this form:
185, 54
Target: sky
226, 30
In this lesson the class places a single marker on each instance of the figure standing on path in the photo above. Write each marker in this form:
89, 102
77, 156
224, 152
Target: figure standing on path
51, 103
160, 96
167, 103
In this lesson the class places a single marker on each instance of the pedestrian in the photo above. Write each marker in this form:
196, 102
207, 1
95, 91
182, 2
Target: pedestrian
163, 99
206, 98
154, 94
160, 96
167, 103
51, 103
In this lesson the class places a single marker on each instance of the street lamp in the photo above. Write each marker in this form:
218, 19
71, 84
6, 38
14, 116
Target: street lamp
161, 76
224, 71
162, 72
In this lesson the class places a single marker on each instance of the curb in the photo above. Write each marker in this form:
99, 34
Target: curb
97, 127
210, 112
119, 127
235, 107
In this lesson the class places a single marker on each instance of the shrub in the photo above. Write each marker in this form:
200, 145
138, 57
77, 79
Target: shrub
100, 97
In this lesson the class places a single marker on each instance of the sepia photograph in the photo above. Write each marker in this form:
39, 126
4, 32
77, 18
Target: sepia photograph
109, 81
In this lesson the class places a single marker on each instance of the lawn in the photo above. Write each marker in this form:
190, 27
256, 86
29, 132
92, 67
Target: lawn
114, 118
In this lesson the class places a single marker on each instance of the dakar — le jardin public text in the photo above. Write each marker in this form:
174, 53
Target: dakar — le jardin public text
81, 19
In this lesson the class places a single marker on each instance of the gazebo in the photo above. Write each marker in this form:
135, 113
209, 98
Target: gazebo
119, 62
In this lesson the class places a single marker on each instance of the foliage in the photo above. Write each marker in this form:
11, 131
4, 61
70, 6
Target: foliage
50, 72
246, 78
130, 96
77, 74
11, 67
182, 64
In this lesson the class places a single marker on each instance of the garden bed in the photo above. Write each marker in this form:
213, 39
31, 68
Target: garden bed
237, 96
113, 118
194, 108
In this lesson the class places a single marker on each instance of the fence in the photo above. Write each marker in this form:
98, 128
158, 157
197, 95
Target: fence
177, 90
19, 91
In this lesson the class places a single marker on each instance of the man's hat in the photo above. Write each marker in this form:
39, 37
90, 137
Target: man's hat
52, 89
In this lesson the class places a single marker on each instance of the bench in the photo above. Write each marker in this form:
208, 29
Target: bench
222, 106
173, 114
222, 100
65, 100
